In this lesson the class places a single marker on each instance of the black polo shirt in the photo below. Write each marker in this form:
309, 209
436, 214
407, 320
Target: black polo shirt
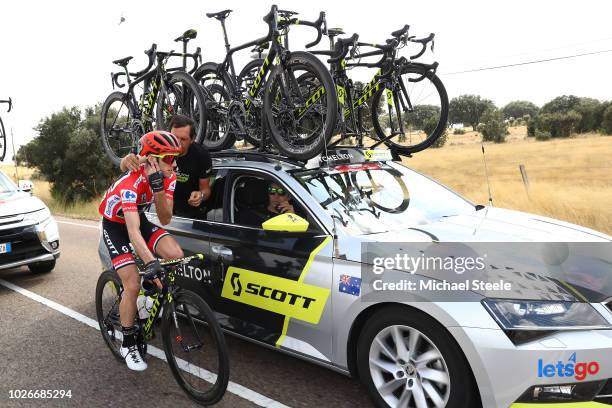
192, 167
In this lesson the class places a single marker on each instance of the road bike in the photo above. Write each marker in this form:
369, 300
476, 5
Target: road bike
2, 131
126, 116
405, 101
192, 339
298, 118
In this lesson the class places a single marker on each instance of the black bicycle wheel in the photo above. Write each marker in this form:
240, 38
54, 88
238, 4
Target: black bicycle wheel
252, 117
425, 120
119, 130
181, 95
301, 117
196, 349
108, 297
2, 141
217, 135
247, 75
381, 188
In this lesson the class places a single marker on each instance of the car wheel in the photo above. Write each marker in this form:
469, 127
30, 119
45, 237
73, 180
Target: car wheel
407, 359
42, 267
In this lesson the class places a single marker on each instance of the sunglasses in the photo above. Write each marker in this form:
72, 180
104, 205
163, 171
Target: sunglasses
166, 158
277, 190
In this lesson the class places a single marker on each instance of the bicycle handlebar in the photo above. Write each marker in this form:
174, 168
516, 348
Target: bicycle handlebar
10, 104
423, 42
151, 52
341, 46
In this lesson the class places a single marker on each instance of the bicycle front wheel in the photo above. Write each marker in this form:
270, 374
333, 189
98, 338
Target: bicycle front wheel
301, 116
119, 129
108, 297
182, 96
2, 141
195, 348
421, 99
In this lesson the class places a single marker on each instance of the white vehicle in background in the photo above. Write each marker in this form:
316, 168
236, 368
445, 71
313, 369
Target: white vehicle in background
28, 233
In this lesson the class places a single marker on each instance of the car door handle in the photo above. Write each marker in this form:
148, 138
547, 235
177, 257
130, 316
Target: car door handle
222, 252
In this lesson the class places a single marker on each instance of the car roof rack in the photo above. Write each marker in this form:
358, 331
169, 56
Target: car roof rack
255, 155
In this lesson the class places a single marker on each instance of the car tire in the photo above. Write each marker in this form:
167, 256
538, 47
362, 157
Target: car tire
428, 365
42, 267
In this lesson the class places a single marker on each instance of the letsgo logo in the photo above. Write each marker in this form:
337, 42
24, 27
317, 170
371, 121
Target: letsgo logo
571, 368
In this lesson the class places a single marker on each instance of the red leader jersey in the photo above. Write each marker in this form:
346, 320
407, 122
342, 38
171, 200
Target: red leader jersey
131, 192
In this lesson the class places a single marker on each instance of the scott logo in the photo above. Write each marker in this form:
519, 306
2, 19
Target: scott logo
278, 295
571, 368
236, 285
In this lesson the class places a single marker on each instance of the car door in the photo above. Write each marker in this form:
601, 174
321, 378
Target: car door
276, 286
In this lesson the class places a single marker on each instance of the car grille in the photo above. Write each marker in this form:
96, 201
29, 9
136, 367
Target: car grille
605, 395
24, 244
10, 219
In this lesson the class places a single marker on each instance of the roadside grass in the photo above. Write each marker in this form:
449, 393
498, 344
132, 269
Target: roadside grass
570, 179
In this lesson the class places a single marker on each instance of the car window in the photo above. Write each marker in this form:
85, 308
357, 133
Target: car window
6, 185
213, 207
376, 197
250, 201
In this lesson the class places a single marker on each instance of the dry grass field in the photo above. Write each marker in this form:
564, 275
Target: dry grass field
570, 179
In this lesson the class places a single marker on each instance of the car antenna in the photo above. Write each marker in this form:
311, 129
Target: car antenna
484, 159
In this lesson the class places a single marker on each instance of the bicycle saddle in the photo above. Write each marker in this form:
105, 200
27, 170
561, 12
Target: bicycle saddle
221, 15
261, 47
401, 31
123, 61
187, 35
332, 32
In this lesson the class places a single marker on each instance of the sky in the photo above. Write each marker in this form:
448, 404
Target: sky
59, 53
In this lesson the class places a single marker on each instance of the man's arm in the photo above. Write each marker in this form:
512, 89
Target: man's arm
132, 221
130, 162
197, 197
163, 207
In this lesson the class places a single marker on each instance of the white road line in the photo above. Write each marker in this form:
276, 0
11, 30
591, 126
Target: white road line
76, 223
237, 389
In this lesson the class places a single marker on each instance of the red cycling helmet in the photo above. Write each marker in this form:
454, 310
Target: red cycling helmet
159, 142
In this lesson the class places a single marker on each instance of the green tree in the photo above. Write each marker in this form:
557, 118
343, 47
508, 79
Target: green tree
468, 109
420, 115
592, 113
493, 127
559, 124
429, 126
606, 123
518, 109
67, 152
561, 104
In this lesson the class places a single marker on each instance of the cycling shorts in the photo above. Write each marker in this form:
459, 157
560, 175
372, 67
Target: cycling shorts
117, 240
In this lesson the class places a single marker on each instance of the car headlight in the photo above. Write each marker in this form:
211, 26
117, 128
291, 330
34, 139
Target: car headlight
38, 217
544, 315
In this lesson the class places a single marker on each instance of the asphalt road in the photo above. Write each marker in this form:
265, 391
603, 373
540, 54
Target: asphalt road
43, 348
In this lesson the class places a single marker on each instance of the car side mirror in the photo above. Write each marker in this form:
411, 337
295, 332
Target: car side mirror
26, 186
286, 222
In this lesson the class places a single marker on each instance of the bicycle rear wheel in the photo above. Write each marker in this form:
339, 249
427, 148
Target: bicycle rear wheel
426, 115
2, 141
108, 297
301, 116
218, 135
182, 95
195, 348
119, 129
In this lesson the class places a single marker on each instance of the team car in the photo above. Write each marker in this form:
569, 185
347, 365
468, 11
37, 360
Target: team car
298, 282
28, 232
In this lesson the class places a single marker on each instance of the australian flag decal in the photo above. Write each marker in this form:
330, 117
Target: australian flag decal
349, 284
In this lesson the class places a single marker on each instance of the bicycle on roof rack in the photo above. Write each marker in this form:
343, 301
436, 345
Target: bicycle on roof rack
152, 97
298, 117
409, 104
2, 131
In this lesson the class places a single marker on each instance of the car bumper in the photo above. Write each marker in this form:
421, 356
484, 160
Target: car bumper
505, 372
30, 243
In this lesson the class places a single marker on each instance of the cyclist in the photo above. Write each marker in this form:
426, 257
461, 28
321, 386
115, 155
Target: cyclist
194, 166
124, 222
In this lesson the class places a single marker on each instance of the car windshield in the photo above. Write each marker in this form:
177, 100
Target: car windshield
372, 198
6, 185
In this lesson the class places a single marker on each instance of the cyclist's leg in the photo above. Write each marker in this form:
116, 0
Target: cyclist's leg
159, 240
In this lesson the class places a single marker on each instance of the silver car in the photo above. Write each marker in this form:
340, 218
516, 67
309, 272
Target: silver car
308, 283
